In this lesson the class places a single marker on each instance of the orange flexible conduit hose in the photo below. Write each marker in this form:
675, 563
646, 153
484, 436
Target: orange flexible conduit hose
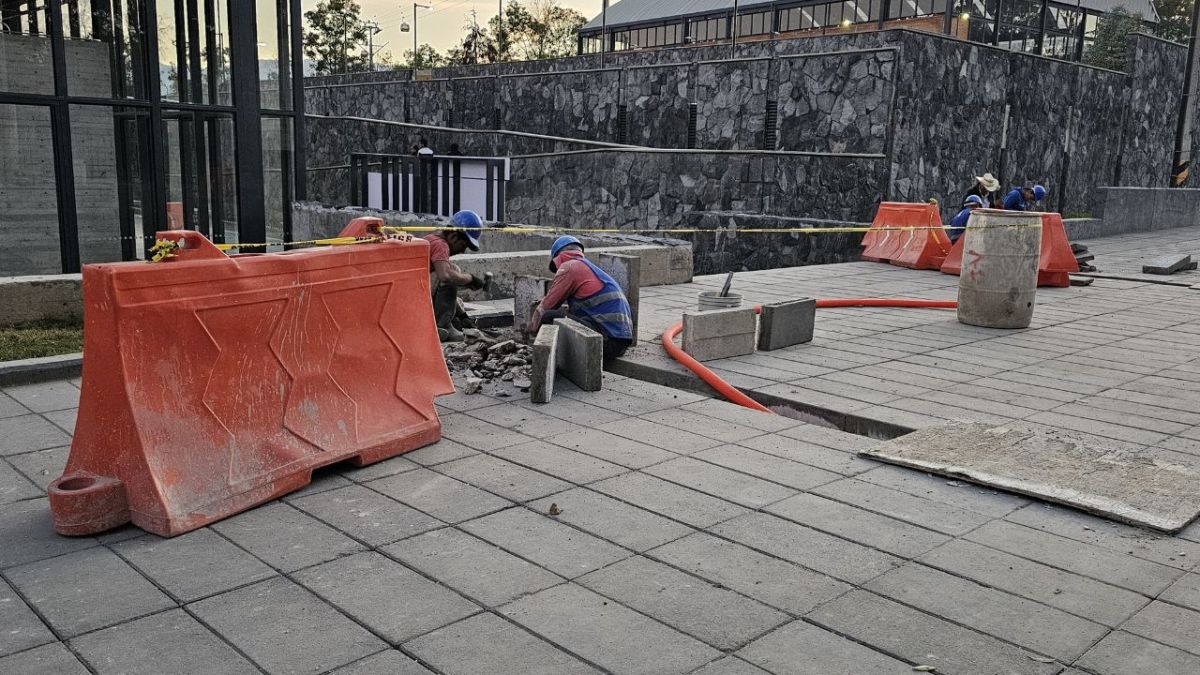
731, 393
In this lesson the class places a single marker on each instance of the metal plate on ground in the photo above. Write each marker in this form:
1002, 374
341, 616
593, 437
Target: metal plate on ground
1130, 484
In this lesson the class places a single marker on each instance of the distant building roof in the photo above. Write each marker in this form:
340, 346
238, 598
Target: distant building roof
628, 12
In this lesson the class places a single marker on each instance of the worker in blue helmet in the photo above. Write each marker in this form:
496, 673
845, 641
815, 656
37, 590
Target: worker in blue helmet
958, 225
1024, 198
593, 298
445, 278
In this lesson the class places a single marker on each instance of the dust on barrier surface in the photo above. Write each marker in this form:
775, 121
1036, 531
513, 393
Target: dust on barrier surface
1125, 483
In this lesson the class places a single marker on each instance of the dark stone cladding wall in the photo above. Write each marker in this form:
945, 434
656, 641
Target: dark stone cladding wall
838, 102
576, 104
731, 104
721, 248
631, 189
1156, 83
656, 101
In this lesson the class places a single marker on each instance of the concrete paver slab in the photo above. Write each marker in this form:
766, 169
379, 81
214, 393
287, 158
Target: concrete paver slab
442, 451
611, 448
41, 466
440, 496
958, 494
502, 477
1122, 653
167, 642
819, 456
768, 467
801, 648
22, 628
390, 662
612, 520
556, 460
887, 534
738, 488
553, 545
651, 433
51, 659
193, 565
284, 628
285, 538
670, 500
486, 644
14, 486
27, 534
903, 506
1185, 592
1178, 627
367, 515
45, 396
27, 433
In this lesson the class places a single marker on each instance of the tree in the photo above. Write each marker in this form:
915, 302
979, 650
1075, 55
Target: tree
336, 38
1111, 46
1175, 19
426, 57
539, 29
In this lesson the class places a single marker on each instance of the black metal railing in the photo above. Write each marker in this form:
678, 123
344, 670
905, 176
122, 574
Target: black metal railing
440, 185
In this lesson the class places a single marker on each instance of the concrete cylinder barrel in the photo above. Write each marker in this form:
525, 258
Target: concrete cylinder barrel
997, 286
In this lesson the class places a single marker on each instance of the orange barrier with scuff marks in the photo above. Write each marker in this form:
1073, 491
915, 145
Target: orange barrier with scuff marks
214, 383
909, 248
1055, 264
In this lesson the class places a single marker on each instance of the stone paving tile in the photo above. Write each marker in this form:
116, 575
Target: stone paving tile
285, 628
27, 534
837, 461
767, 579
849, 522
478, 434
576, 412
10, 408
367, 515
193, 565
442, 451
557, 547
440, 496
1176, 626
501, 477
1031, 625
168, 642
801, 648
285, 538
612, 448
1110, 567
86, 590
667, 499
613, 520
768, 467
390, 662
903, 506
45, 396
487, 644
22, 628
63, 419
1078, 595
1185, 592
560, 462
625, 404
27, 433
42, 466
14, 486
461, 402
704, 425
743, 416
1090, 529
796, 391
473, 567
1122, 654
736, 487
1104, 429
648, 390
653, 433
388, 467
387, 597
608, 634
923, 639
532, 423
706, 611
52, 659
804, 546
939, 489
730, 665
324, 479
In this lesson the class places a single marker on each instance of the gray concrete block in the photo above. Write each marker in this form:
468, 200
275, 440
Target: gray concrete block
488, 644
545, 362
271, 532
169, 642
527, 291
580, 354
52, 659
285, 628
367, 515
22, 628
783, 324
557, 547
36, 298
440, 496
472, 566
103, 590
392, 600
1167, 264
613, 520
608, 634
799, 648
716, 615
193, 565
626, 270
719, 334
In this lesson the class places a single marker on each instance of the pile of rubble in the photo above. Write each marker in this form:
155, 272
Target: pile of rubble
489, 356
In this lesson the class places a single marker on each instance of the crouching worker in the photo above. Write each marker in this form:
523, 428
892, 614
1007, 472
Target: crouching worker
445, 278
593, 298
958, 225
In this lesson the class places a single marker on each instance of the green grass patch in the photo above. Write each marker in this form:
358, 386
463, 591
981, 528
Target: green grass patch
40, 338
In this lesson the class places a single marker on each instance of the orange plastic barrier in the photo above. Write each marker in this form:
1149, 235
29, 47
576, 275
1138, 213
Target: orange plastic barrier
214, 383
1055, 265
174, 215
911, 248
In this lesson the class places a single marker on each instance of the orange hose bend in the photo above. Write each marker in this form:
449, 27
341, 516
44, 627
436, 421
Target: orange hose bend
733, 394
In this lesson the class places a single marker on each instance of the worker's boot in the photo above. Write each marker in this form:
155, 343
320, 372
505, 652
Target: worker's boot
450, 334
445, 305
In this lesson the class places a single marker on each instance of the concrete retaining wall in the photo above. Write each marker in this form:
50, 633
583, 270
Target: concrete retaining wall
1127, 209
37, 298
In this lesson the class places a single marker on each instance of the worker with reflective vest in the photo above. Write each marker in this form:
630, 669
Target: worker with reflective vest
593, 297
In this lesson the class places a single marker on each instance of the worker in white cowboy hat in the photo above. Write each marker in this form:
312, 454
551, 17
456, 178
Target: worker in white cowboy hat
987, 188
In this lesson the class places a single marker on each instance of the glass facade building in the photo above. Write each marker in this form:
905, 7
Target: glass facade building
119, 118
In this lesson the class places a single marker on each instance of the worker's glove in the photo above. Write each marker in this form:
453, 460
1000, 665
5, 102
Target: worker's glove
477, 283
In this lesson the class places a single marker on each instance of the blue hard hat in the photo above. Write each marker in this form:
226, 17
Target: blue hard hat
563, 242
973, 199
471, 226
1039, 192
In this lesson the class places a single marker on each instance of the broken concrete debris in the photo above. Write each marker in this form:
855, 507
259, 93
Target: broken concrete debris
485, 356
1167, 264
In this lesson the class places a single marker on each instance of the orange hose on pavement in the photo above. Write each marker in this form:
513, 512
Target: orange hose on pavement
732, 393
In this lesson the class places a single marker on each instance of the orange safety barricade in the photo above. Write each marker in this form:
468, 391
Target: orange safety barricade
1055, 265
174, 215
214, 383
883, 244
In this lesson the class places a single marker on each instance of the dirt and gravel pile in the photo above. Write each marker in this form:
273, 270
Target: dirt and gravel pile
489, 356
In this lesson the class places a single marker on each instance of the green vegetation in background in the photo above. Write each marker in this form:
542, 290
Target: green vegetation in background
40, 338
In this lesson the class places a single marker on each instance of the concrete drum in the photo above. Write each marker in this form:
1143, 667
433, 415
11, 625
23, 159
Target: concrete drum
997, 286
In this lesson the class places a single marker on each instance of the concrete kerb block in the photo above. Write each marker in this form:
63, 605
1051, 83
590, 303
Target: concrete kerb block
526, 292
544, 369
719, 334
783, 324
626, 270
580, 354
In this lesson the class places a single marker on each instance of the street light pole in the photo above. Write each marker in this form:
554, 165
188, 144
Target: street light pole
733, 33
414, 58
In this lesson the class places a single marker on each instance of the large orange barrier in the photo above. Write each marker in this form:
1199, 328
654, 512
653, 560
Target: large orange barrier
214, 383
1055, 264
915, 248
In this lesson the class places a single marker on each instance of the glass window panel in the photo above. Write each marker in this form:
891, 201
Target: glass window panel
980, 30
221, 176
172, 44
104, 44
850, 11
939, 7
924, 8
876, 10
835, 14
25, 63
105, 145
896, 9
274, 44
29, 219
277, 174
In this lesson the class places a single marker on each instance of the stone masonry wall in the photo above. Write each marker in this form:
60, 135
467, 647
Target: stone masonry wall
837, 102
1156, 69
576, 104
656, 102
731, 104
